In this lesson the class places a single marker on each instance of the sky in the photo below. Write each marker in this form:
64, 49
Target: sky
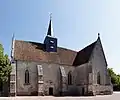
76, 24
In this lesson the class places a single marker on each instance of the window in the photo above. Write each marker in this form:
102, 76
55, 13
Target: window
98, 78
69, 78
51, 47
51, 41
26, 77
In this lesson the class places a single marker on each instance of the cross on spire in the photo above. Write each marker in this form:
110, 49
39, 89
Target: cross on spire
50, 16
98, 34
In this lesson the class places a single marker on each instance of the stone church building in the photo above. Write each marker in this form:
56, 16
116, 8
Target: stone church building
46, 69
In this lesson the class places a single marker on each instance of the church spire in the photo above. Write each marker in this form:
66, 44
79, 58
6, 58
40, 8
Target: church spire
50, 41
12, 46
50, 28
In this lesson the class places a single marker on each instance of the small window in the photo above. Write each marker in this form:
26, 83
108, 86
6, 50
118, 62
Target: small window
51, 47
51, 41
26, 77
98, 78
69, 78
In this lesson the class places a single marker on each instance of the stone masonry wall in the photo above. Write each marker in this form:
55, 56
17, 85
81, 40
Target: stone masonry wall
51, 77
98, 64
81, 75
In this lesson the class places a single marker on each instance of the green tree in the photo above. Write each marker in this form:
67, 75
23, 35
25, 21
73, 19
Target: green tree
5, 66
115, 79
112, 75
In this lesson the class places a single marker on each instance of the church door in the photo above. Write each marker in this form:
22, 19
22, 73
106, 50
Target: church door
82, 91
50, 91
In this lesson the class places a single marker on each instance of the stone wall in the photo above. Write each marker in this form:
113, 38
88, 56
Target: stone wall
21, 87
81, 75
97, 64
51, 77
80, 80
13, 80
101, 89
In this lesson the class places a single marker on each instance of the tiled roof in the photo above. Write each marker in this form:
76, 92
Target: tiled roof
32, 51
84, 55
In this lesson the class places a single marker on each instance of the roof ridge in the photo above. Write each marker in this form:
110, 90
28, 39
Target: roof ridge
67, 49
88, 45
29, 41
43, 43
34, 51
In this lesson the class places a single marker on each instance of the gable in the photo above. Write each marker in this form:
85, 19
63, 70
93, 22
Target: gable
32, 51
99, 52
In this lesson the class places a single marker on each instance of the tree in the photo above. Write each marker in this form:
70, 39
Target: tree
5, 66
112, 75
115, 79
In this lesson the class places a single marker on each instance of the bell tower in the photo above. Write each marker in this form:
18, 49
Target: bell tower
50, 41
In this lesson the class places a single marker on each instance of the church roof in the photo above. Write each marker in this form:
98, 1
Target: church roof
84, 55
33, 51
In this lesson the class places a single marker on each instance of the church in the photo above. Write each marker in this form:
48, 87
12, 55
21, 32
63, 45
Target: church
44, 69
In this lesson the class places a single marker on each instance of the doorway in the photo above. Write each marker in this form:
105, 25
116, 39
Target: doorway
1, 86
83, 91
50, 91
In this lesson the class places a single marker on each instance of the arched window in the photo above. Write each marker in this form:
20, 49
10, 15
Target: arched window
69, 78
98, 78
26, 77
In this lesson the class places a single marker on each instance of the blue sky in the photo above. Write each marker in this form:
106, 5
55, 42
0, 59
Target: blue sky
76, 23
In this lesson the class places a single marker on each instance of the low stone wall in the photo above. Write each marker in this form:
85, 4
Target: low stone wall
105, 90
100, 89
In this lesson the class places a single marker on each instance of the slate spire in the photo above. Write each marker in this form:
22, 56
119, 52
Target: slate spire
50, 41
50, 28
